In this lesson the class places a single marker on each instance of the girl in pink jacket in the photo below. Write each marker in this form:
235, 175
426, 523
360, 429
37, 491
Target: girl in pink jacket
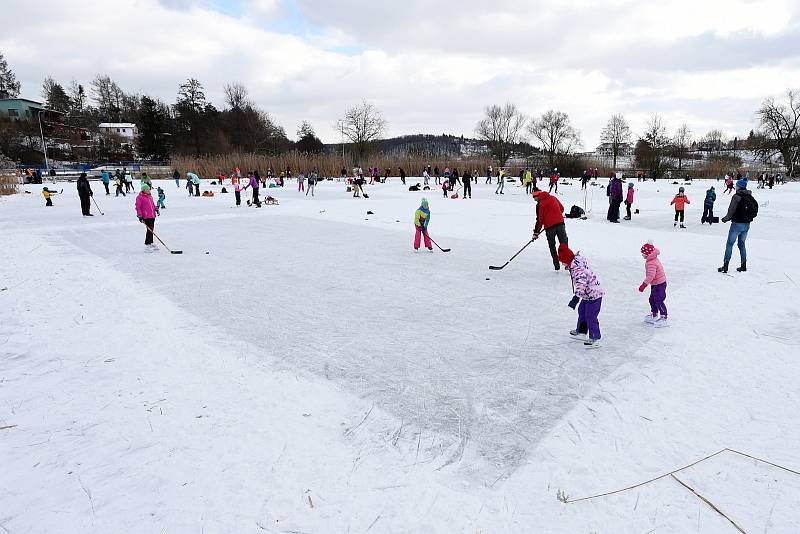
146, 211
657, 280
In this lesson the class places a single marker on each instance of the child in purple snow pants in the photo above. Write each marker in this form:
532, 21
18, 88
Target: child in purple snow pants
588, 311
658, 294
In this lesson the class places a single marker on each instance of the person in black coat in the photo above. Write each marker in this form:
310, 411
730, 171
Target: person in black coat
84, 192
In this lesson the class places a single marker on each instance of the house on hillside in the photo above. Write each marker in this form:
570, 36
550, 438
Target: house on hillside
126, 130
23, 109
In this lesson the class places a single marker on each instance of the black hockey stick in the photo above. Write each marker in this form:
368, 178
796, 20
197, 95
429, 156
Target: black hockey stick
162, 242
96, 205
437, 245
497, 268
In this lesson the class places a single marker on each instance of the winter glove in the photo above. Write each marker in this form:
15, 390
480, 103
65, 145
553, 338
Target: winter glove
574, 301
141, 219
535, 237
158, 213
642, 287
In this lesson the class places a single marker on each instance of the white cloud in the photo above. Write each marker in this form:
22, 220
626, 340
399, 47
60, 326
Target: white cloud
430, 68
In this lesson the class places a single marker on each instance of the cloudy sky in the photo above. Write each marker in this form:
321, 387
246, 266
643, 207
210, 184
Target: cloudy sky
430, 66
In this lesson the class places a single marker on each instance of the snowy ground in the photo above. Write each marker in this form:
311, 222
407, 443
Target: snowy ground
300, 369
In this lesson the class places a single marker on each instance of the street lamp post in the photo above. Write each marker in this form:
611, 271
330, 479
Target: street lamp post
44, 143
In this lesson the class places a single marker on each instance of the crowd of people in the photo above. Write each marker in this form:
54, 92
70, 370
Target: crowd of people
549, 212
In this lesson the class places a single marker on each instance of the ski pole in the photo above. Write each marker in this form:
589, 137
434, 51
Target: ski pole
497, 268
98, 207
162, 242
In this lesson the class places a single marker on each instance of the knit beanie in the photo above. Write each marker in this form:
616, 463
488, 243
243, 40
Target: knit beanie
424, 202
647, 248
630, 185
741, 183
145, 188
565, 255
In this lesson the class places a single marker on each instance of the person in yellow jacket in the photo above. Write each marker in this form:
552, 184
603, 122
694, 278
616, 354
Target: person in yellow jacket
501, 181
527, 179
46, 194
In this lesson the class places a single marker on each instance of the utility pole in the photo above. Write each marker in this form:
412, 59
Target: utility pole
44, 143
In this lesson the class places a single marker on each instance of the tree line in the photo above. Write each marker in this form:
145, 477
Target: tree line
192, 125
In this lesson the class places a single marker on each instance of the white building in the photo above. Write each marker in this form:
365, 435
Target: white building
126, 130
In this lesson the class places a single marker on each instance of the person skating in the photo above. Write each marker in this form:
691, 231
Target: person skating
145, 180
402, 175
128, 181
147, 211
189, 185
445, 187
436, 173
467, 184
741, 212
118, 181
655, 277
312, 181
422, 217
708, 206
489, 175
105, 177
84, 193
728, 184
446, 177
177, 177
554, 181
679, 202
47, 194
237, 191
161, 198
454, 179
253, 184
615, 190
301, 182
629, 201
501, 181
425, 177
196, 184
550, 218
587, 296
527, 177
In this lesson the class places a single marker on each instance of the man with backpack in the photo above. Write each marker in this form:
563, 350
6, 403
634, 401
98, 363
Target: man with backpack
741, 212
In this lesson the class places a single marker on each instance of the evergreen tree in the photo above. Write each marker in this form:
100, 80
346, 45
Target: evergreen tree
152, 124
9, 86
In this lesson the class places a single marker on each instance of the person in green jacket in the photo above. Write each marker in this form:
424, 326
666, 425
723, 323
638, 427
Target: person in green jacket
421, 219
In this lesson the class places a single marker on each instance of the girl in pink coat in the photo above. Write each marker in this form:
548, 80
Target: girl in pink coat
657, 280
146, 211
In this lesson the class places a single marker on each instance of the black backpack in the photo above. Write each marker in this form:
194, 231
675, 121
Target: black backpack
747, 210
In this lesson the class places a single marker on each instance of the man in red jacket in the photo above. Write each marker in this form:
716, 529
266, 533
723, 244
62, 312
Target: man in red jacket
550, 218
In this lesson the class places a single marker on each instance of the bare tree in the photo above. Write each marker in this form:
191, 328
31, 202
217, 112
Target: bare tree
362, 124
713, 141
108, 96
651, 146
617, 134
501, 128
556, 134
779, 124
681, 142
236, 95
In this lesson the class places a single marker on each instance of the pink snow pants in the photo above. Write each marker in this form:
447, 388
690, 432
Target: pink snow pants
420, 231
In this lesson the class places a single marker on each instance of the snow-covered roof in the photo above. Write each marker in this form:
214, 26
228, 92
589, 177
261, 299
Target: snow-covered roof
116, 125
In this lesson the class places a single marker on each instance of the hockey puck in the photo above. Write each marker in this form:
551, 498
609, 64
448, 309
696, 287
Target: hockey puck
487, 278
207, 252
